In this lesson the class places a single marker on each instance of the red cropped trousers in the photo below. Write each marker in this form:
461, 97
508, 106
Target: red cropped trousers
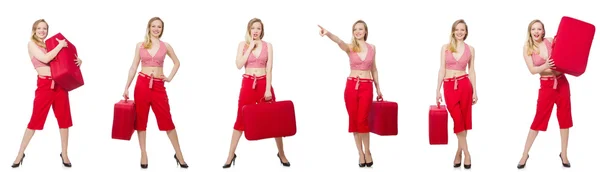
149, 93
46, 96
358, 96
553, 90
252, 92
458, 93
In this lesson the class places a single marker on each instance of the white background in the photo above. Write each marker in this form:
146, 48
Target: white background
308, 69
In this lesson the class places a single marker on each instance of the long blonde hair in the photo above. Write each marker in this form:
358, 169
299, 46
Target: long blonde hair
248, 36
355, 46
453, 41
531, 46
147, 39
34, 38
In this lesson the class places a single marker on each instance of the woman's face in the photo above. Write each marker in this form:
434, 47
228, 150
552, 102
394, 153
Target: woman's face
537, 31
156, 28
460, 31
41, 30
359, 31
255, 30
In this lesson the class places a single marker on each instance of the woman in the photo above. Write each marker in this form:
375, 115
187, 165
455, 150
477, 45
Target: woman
46, 94
358, 94
554, 89
150, 88
256, 56
460, 92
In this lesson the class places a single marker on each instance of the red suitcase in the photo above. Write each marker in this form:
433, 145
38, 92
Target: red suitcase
438, 125
65, 72
572, 45
123, 120
383, 118
269, 120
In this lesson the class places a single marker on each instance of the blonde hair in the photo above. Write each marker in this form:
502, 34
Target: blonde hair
147, 41
453, 41
34, 38
248, 36
355, 46
531, 46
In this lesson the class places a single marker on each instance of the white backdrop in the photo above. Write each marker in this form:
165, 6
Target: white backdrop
308, 69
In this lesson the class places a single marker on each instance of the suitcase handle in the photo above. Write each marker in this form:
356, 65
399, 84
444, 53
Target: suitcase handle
262, 100
379, 99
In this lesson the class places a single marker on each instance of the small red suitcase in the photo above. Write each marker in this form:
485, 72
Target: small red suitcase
65, 72
269, 120
438, 125
123, 120
572, 45
383, 117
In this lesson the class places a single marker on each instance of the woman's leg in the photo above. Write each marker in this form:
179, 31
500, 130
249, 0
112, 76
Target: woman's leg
41, 106
545, 104
351, 101
62, 111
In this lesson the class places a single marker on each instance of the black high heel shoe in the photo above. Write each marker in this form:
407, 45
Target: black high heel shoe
179, 163
521, 166
368, 164
361, 165
63, 162
232, 162
20, 162
568, 165
144, 166
285, 164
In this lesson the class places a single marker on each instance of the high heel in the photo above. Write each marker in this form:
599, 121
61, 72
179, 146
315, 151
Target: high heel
19, 163
179, 163
144, 166
63, 162
467, 166
457, 165
568, 165
369, 164
361, 165
231, 163
521, 166
286, 164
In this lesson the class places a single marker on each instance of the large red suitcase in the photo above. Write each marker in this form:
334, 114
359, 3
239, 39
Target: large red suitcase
572, 45
269, 120
123, 120
383, 117
438, 125
65, 72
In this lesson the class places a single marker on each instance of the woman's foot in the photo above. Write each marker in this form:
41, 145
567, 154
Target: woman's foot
467, 164
565, 160
144, 160
361, 160
457, 160
368, 159
65, 158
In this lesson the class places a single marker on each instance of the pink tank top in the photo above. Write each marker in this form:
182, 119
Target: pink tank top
356, 63
36, 62
537, 59
461, 63
153, 61
261, 60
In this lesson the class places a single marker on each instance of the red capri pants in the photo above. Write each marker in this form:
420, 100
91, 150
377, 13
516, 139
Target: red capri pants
47, 95
553, 90
151, 92
252, 92
358, 97
458, 93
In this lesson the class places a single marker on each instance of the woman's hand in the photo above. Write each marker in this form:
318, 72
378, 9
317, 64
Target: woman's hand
268, 95
61, 43
126, 94
78, 61
323, 31
475, 98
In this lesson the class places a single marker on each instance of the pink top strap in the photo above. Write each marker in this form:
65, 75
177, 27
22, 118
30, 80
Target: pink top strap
356, 63
461, 64
153, 61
